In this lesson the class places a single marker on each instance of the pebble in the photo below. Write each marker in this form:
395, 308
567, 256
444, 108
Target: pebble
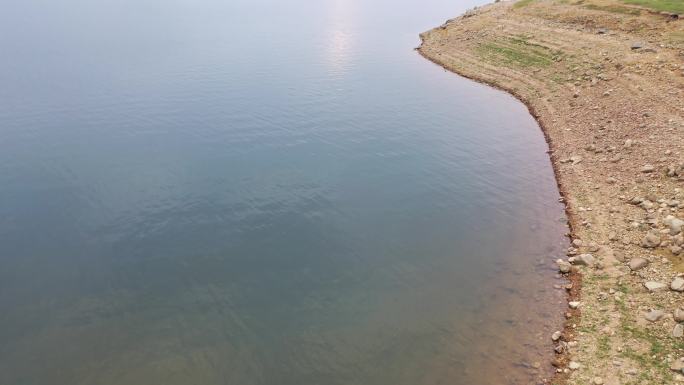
654, 315
675, 224
678, 365
647, 168
573, 365
677, 284
678, 331
679, 315
574, 304
651, 240
654, 286
585, 259
637, 263
563, 266
556, 335
598, 381
679, 240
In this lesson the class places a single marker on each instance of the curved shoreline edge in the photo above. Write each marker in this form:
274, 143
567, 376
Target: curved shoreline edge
575, 279
574, 291
593, 75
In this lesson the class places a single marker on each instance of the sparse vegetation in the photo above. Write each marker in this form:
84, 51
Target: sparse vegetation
522, 3
604, 345
674, 6
517, 51
676, 37
572, 61
613, 9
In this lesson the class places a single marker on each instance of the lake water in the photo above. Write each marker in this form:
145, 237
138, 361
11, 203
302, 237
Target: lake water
265, 192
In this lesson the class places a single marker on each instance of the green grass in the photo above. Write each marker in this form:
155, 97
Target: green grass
603, 346
522, 3
676, 37
674, 6
652, 362
613, 9
518, 52
621, 287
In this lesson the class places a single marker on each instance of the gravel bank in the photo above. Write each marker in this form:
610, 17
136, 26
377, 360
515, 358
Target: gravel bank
605, 81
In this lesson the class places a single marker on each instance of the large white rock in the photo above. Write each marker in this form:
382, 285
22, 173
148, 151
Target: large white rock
677, 284
654, 315
675, 224
654, 286
585, 259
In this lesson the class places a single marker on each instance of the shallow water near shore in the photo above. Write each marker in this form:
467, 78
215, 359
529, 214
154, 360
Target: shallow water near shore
259, 192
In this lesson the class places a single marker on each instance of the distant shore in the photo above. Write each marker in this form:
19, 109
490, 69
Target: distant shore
605, 81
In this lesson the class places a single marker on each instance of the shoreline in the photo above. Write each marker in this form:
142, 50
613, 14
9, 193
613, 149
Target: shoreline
593, 75
574, 279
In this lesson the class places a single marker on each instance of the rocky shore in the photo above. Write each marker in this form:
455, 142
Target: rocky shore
605, 80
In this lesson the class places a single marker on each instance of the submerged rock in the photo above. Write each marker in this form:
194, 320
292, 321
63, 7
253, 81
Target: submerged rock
563, 266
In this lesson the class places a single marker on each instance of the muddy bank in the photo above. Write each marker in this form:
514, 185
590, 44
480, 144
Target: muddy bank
605, 80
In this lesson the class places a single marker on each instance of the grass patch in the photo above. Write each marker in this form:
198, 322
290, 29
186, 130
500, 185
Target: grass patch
614, 9
674, 6
522, 3
676, 37
603, 346
652, 361
556, 78
518, 52
623, 289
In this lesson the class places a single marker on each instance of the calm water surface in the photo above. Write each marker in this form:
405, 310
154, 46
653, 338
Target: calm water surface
264, 192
